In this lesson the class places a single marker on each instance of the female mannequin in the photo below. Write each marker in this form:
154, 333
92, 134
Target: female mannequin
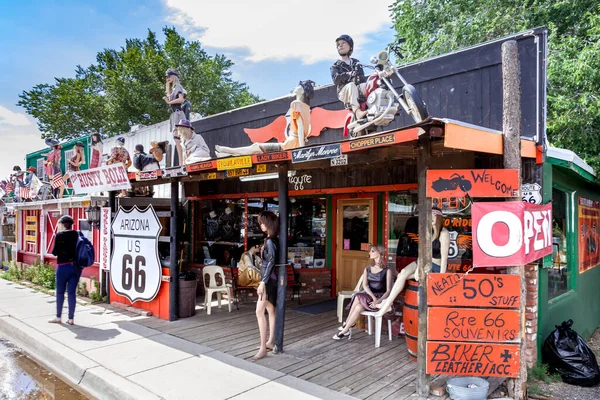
175, 96
440, 244
53, 165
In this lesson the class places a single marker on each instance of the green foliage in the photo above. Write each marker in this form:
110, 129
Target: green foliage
129, 82
539, 372
96, 295
13, 273
537, 390
41, 274
434, 27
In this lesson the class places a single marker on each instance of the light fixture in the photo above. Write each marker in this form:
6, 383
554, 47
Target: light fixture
260, 177
93, 214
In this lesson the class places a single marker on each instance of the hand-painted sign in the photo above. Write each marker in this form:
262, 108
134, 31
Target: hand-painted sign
589, 238
532, 193
476, 290
135, 270
510, 233
473, 325
271, 157
104, 178
234, 163
316, 153
473, 359
201, 166
475, 182
298, 181
105, 238
174, 172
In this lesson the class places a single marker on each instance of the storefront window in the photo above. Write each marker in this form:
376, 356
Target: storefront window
307, 232
222, 235
356, 227
558, 274
403, 230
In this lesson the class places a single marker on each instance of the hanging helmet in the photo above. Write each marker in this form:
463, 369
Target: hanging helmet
348, 40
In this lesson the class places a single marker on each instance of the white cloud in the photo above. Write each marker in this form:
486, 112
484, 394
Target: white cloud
12, 118
279, 29
17, 140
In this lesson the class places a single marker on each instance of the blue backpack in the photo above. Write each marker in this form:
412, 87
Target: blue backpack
85, 252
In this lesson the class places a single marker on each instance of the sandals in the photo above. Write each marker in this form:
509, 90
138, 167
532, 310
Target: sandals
55, 321
70, 322
341, 335
344, 325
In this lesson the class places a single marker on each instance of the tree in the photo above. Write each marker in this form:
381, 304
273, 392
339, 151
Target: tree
126, 86
434, 27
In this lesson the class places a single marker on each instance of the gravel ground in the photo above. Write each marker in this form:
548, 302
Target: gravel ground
560, 390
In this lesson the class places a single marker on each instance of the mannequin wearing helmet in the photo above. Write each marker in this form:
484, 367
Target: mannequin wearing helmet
348, 76
175, 98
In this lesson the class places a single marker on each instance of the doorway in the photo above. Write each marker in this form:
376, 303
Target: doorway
355, 231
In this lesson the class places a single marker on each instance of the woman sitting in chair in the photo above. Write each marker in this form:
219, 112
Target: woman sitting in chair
377, 284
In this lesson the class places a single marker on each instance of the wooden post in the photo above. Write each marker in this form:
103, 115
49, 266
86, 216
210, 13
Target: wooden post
173, 270
423, 164
282, 277
511, 126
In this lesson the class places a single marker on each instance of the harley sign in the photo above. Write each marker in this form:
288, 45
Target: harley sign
135, 270
510, 233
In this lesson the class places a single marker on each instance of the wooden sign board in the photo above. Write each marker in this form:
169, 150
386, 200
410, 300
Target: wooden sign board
475, 182
474, 290
478, 325
473, 359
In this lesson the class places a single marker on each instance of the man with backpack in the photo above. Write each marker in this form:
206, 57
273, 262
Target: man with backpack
73, 252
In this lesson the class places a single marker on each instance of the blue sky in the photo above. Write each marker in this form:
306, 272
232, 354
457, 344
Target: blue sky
272, 49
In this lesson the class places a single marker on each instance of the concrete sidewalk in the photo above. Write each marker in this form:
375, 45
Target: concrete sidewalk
108, 356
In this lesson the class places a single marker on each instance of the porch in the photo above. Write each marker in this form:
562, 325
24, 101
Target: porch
354, 367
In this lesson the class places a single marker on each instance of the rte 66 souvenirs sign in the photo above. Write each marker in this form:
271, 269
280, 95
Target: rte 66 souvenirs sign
510, 233
135, 270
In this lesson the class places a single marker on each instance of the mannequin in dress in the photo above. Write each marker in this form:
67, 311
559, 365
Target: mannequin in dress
296, 132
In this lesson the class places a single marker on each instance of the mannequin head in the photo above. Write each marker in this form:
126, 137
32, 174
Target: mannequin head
120, 141
269, 223
212, 214
437, 220
172, 80
305, 91
377, 254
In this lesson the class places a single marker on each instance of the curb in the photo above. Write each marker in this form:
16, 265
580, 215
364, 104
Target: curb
81, 372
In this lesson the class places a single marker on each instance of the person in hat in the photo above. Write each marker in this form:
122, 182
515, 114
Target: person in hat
74, 163
348, 76
144, 161
175, 97
194, 147
52, 166
119, 153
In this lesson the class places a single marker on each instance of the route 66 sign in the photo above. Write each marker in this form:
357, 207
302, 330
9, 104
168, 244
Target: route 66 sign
532, 193
453, 249
135, 270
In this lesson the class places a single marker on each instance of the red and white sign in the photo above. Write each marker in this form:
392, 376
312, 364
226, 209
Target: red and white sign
510, 233
105, 238
104, 178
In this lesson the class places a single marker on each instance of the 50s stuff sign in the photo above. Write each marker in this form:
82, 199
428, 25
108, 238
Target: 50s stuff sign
135, 270
510, 233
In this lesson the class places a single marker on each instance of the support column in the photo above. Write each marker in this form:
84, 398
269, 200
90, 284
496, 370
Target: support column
112, 203
173, 270
282, 262
511, 127
423, 164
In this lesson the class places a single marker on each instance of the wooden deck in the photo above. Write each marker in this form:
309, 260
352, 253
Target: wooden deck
354, 367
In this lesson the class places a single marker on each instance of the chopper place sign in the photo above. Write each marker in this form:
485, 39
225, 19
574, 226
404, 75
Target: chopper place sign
135, 269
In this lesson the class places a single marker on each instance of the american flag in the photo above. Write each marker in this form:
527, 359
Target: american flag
57, 181
24, 192
10, 187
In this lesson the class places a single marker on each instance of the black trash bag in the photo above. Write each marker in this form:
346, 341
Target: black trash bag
567, 353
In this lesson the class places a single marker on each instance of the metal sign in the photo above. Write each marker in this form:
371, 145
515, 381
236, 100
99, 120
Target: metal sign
174, 172
475, 182
234, 163
201, 166
271, 157
510, 233
146, 175
104, 238
316, 153
532, 193
341, 160
135, 269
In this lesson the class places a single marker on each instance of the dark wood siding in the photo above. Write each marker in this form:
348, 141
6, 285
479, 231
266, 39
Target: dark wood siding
465, 86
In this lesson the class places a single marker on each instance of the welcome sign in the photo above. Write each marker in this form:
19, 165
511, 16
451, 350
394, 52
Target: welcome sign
105, 178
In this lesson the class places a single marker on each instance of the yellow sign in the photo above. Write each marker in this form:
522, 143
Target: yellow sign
30, 238
260, 168
234, 163
31, 218
211, 175
238, 172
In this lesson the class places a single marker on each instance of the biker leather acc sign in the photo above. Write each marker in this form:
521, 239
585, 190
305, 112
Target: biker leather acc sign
510, 233
475, 182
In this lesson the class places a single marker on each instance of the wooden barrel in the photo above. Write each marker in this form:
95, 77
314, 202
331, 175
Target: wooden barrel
410, 317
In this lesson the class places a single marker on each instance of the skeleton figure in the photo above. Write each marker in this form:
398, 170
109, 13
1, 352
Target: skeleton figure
296, 131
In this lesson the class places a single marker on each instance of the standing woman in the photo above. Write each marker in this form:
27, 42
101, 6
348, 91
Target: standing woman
377, 285
67, 273
175, 96
267, 289
74, 163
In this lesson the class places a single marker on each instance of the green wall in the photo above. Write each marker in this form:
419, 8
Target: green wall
582, 302
31, 158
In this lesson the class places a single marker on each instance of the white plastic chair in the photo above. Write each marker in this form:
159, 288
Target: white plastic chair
346, 294
212, 271
378, 316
